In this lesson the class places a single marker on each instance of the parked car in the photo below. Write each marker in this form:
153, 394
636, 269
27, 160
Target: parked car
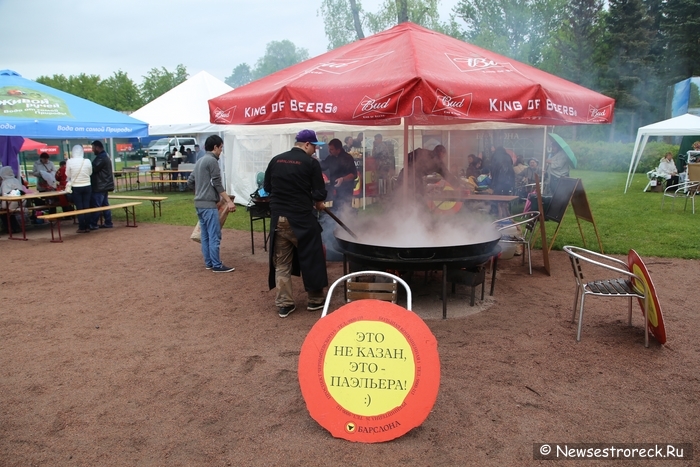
162, 147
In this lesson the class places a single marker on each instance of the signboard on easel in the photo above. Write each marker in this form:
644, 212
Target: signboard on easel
570, 191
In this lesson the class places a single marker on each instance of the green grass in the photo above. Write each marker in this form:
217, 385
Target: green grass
631, 220
178, 209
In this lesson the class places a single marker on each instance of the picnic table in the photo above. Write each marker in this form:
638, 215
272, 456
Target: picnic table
5, 202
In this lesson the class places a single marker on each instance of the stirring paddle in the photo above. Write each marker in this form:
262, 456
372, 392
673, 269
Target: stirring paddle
340, 223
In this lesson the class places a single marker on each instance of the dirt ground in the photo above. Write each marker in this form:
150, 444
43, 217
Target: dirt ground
118, 348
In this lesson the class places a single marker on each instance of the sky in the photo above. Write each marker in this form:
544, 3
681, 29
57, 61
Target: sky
69, 37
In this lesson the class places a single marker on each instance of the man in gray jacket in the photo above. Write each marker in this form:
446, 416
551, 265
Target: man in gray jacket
208, 191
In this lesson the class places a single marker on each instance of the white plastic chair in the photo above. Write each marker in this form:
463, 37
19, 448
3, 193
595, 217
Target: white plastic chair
612, 287
378, 290
508, 227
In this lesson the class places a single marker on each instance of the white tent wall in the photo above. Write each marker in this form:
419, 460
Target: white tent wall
249, 149
684, 125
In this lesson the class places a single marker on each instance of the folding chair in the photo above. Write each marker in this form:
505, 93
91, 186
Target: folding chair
355, 290
614, 287
686, 190
510, 228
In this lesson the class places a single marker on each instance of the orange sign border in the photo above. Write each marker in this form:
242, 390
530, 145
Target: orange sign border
659, 331
397, 422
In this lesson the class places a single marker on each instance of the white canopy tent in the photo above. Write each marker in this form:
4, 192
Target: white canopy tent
678, 126
184, 110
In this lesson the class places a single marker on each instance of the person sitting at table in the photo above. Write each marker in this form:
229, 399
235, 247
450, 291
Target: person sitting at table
174, 161
519, 166
474, 168
347, 147
45, 173
422, 162
191, 157
182, 175
483, 181
9, 185
668, 170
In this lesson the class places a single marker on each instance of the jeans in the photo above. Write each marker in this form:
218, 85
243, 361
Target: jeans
210, 236
99, 199
81, 199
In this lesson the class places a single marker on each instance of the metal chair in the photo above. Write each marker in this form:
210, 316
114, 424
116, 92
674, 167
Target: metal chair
615, 287
510, 228
387, 291
686, 190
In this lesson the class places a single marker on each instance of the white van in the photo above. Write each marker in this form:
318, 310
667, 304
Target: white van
162, 147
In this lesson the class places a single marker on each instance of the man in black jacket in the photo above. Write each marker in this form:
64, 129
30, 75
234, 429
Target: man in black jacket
102, 182
295, 183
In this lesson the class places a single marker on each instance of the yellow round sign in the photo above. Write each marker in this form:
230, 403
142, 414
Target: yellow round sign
369, 368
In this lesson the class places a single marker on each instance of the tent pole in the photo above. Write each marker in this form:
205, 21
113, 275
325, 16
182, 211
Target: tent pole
405, 159
114, 166
364, 175
449, 150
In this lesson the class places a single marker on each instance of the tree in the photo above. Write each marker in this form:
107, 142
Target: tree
159, 81
393, 12
346, 20
680, 24
573, 44
119, 92
630, 42
278, 56
82, 85
241, 75
519, 29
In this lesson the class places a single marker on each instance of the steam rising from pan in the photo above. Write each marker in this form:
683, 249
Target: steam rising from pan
410, 227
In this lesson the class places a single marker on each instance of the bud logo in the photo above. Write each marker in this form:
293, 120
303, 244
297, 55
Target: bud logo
224, 116
449, 105
599, 115
381, 106
469, 64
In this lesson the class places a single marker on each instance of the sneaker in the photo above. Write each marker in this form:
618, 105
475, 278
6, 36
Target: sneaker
285, 311
94, 227
315, 306
208, 267
105, 226
223, 268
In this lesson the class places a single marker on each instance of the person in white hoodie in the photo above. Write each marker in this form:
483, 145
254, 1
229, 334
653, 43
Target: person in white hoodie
78, 171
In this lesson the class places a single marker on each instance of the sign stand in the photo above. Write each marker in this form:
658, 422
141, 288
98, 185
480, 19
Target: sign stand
543, 233
570, 191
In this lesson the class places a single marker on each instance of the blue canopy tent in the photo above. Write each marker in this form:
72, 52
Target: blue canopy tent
31, 109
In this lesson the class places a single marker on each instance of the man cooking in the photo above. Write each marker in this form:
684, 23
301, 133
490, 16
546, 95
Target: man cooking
295, 183
343, 173
427, 162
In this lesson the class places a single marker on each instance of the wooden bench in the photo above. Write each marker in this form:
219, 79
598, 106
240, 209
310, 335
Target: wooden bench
60, 215
158, 185
153, 199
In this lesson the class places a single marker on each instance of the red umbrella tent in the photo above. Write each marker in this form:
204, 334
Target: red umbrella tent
412, 72
31, 145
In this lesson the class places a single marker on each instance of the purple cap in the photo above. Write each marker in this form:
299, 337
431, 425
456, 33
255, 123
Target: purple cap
308, 136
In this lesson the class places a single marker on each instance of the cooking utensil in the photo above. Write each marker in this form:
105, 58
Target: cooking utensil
340, 223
